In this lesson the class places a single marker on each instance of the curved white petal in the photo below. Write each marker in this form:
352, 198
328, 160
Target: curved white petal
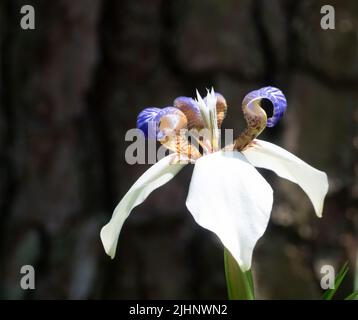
157, 175
270, 156
229, 197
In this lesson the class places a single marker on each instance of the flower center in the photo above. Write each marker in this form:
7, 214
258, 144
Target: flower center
210, 118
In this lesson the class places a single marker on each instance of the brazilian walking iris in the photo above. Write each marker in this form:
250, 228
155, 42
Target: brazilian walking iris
227, 195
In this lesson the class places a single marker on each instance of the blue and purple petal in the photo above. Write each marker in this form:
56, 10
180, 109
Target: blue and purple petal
191, 110
146, 121
149, 119
277, 99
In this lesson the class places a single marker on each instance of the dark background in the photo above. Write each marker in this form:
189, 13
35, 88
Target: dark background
72, 88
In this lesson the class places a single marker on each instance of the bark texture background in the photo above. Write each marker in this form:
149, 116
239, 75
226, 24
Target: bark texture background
71, 88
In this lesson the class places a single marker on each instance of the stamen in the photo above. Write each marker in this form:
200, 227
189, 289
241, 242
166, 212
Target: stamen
211, 102
203, 109
209, 115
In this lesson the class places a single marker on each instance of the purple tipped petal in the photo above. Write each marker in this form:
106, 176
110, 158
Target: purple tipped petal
168, 111
277, 99
170, 122
147, 120
191, 110
186, 101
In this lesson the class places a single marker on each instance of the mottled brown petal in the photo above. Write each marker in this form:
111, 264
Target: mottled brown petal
256, 120
221, 108
192, 112
172, 131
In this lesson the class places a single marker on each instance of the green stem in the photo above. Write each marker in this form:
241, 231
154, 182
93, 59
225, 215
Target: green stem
240, 284
356, 275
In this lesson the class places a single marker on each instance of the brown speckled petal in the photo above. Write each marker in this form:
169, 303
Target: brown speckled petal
221, 108
172, 133
191, 110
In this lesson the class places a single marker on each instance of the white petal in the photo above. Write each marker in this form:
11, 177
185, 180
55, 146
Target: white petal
229, 197
157, 175
270, 156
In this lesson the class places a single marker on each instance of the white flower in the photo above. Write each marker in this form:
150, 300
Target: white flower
227, 195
